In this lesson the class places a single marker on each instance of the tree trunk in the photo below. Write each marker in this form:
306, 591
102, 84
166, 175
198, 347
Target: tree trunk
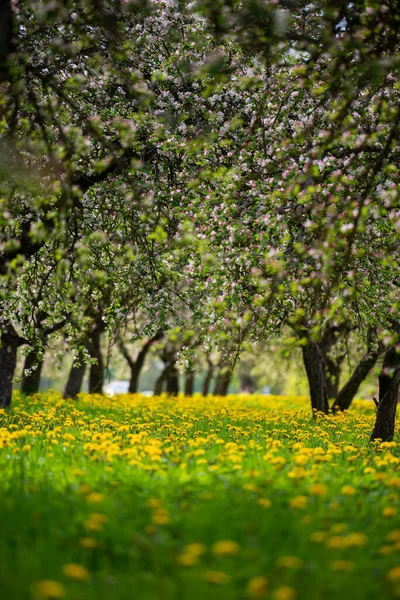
222, 381
349, 390
189, 383
173, 381
316, 373
30, 383
389, 381
332, 378
9, 344
207, 379
96, 376
247, 385
159, 384
134, 380
333, 366
75, 381
136, 366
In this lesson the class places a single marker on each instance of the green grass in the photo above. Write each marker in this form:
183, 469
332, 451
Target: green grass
159, 475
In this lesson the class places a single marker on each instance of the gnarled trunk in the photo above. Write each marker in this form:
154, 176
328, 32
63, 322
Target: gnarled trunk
75, 381
389, 382
345, 397
96, 376
316, 373
10, 341
30, 383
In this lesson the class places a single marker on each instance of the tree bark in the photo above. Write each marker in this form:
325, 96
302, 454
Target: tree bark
96, 376
10, 341
333, 366
189, 383
208, 377
332, 378
316, 373
75, 381
173, 381
345, 397
222, 381
389, 382
30, 383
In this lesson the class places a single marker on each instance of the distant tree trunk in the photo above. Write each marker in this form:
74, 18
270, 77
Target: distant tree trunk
173, 381
159, 384
168, 379
169, 376
163, 380
136, 366
96, 375
208, 377
350, 389
10, 341
389, 382
316, 373
222, 381
189, 383
247, 384
75, 381
30, 383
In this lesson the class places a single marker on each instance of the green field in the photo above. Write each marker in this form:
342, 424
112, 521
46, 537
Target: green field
228, 498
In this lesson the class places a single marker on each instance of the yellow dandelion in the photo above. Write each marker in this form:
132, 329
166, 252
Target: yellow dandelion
75, 571
356, 540
318, 536
94, 498
290, 562
317, 489
394, 574
298, 502
48, 589
284, 592
348, 490
196, 548
257, 587
186, 559
216, 577
225, 548
265, 502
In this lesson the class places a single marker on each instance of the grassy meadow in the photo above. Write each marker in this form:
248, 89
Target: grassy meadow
192, 498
